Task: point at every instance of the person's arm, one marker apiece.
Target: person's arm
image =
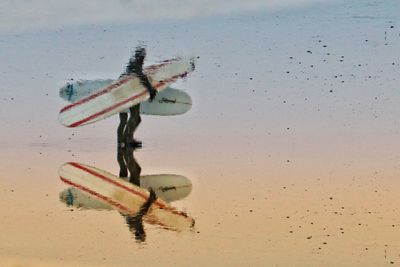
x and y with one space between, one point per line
135 66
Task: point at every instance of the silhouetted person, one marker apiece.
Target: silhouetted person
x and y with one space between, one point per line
127 162
127 127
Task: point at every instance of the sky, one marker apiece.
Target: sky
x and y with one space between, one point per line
20 15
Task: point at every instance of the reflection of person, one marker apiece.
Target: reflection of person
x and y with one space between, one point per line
127 162
135 223
127 127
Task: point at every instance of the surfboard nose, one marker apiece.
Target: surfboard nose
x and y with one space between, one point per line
67 197
66 91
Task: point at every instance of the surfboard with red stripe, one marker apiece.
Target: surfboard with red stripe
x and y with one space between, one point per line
122 195
123 93
168 187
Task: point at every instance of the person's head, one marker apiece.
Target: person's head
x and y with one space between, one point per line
140 54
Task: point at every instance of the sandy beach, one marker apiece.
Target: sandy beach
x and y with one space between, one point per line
291 145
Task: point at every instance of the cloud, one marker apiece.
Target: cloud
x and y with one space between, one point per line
21 15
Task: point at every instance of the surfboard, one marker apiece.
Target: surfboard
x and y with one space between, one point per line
74 91
122 195
73 197
123 93
168 187
169 102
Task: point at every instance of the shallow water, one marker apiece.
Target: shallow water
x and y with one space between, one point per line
291 145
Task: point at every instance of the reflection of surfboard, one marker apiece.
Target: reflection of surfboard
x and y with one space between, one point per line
123 93
167 102
169 187
122 195
81 200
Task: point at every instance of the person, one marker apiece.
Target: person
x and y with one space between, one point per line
127 162
127 127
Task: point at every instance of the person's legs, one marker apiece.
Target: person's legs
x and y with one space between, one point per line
123 118
133 166
123 170
133 123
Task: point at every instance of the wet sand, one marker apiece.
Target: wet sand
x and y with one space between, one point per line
296 213
291 146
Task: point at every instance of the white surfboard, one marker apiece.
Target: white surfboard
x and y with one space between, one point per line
123 93
168 187
122 195
169 102
74 91
76 198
